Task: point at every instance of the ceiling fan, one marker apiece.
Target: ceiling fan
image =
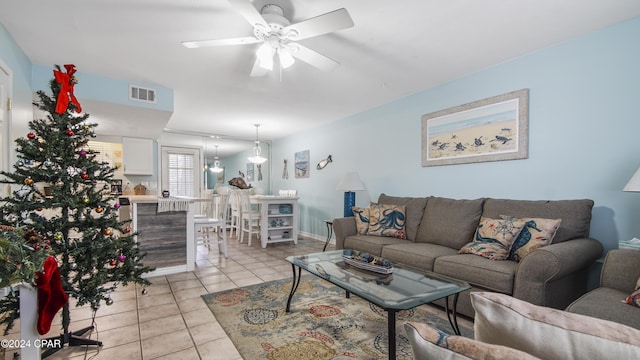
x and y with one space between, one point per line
278 36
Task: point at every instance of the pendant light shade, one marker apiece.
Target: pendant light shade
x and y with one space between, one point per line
256 158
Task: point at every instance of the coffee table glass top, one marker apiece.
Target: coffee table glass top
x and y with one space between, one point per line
405 288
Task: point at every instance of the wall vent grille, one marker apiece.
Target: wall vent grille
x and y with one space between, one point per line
142 94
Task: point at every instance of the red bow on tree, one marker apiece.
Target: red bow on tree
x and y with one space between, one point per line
67 81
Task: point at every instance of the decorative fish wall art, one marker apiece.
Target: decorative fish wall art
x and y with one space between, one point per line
323 163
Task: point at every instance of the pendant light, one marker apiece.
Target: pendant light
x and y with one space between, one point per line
216 164
256 158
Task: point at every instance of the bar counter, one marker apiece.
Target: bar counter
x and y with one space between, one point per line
165 232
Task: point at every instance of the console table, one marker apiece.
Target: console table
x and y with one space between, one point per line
278 218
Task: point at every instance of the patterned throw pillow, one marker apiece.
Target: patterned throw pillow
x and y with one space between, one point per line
362 219
634 298
535 234
494 237
387 220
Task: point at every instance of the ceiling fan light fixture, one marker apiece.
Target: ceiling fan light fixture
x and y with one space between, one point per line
265 56
286 59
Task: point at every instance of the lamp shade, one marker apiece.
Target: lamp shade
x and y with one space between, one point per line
350 182
634 183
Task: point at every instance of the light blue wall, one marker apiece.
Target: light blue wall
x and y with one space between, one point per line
104 89
17 61
238 162
584 128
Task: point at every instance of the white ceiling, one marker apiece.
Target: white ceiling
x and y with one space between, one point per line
396 48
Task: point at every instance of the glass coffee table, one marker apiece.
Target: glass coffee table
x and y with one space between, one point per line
403 289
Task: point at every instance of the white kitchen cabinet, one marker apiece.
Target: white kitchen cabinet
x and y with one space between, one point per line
137 156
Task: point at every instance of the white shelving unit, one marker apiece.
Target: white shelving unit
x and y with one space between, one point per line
279 219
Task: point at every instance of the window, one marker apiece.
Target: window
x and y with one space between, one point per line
181 171
181 174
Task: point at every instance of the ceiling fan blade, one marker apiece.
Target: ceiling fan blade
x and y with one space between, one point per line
322 24
258 70
221 42
312 58
249 12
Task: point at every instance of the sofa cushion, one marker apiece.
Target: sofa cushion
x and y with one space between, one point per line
415 211
536 233
575 214
494 237
605 303
430 343
362 219
416 255
478 271
550 333
449 222
371 244
387 220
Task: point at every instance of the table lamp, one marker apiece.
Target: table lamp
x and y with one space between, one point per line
634 183
350 183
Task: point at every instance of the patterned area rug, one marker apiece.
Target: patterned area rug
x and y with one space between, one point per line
322 324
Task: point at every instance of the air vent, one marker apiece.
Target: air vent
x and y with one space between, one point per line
142 94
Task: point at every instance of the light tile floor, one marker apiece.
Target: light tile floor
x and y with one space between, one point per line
172 321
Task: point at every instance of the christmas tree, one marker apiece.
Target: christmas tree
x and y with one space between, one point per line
61 191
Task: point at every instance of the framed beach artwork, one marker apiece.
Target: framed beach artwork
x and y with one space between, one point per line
301 164
491 129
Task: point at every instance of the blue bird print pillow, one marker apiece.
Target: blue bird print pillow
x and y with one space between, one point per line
388 220
494 237
362 219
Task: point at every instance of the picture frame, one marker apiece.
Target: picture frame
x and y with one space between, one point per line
491 129
301 164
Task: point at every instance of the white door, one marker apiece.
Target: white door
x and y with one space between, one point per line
5 96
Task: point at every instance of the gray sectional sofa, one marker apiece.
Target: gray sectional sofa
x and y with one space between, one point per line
436 229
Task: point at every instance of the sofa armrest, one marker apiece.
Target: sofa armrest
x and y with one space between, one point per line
621 270
556 274
342 228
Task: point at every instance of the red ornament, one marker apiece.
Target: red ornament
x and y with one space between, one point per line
31 136
127 230
70 132
112 263
36 247
84 176
67 82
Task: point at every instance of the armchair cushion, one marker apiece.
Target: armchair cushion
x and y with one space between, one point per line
430 343
550 333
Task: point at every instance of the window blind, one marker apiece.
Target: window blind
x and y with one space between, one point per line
181 174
